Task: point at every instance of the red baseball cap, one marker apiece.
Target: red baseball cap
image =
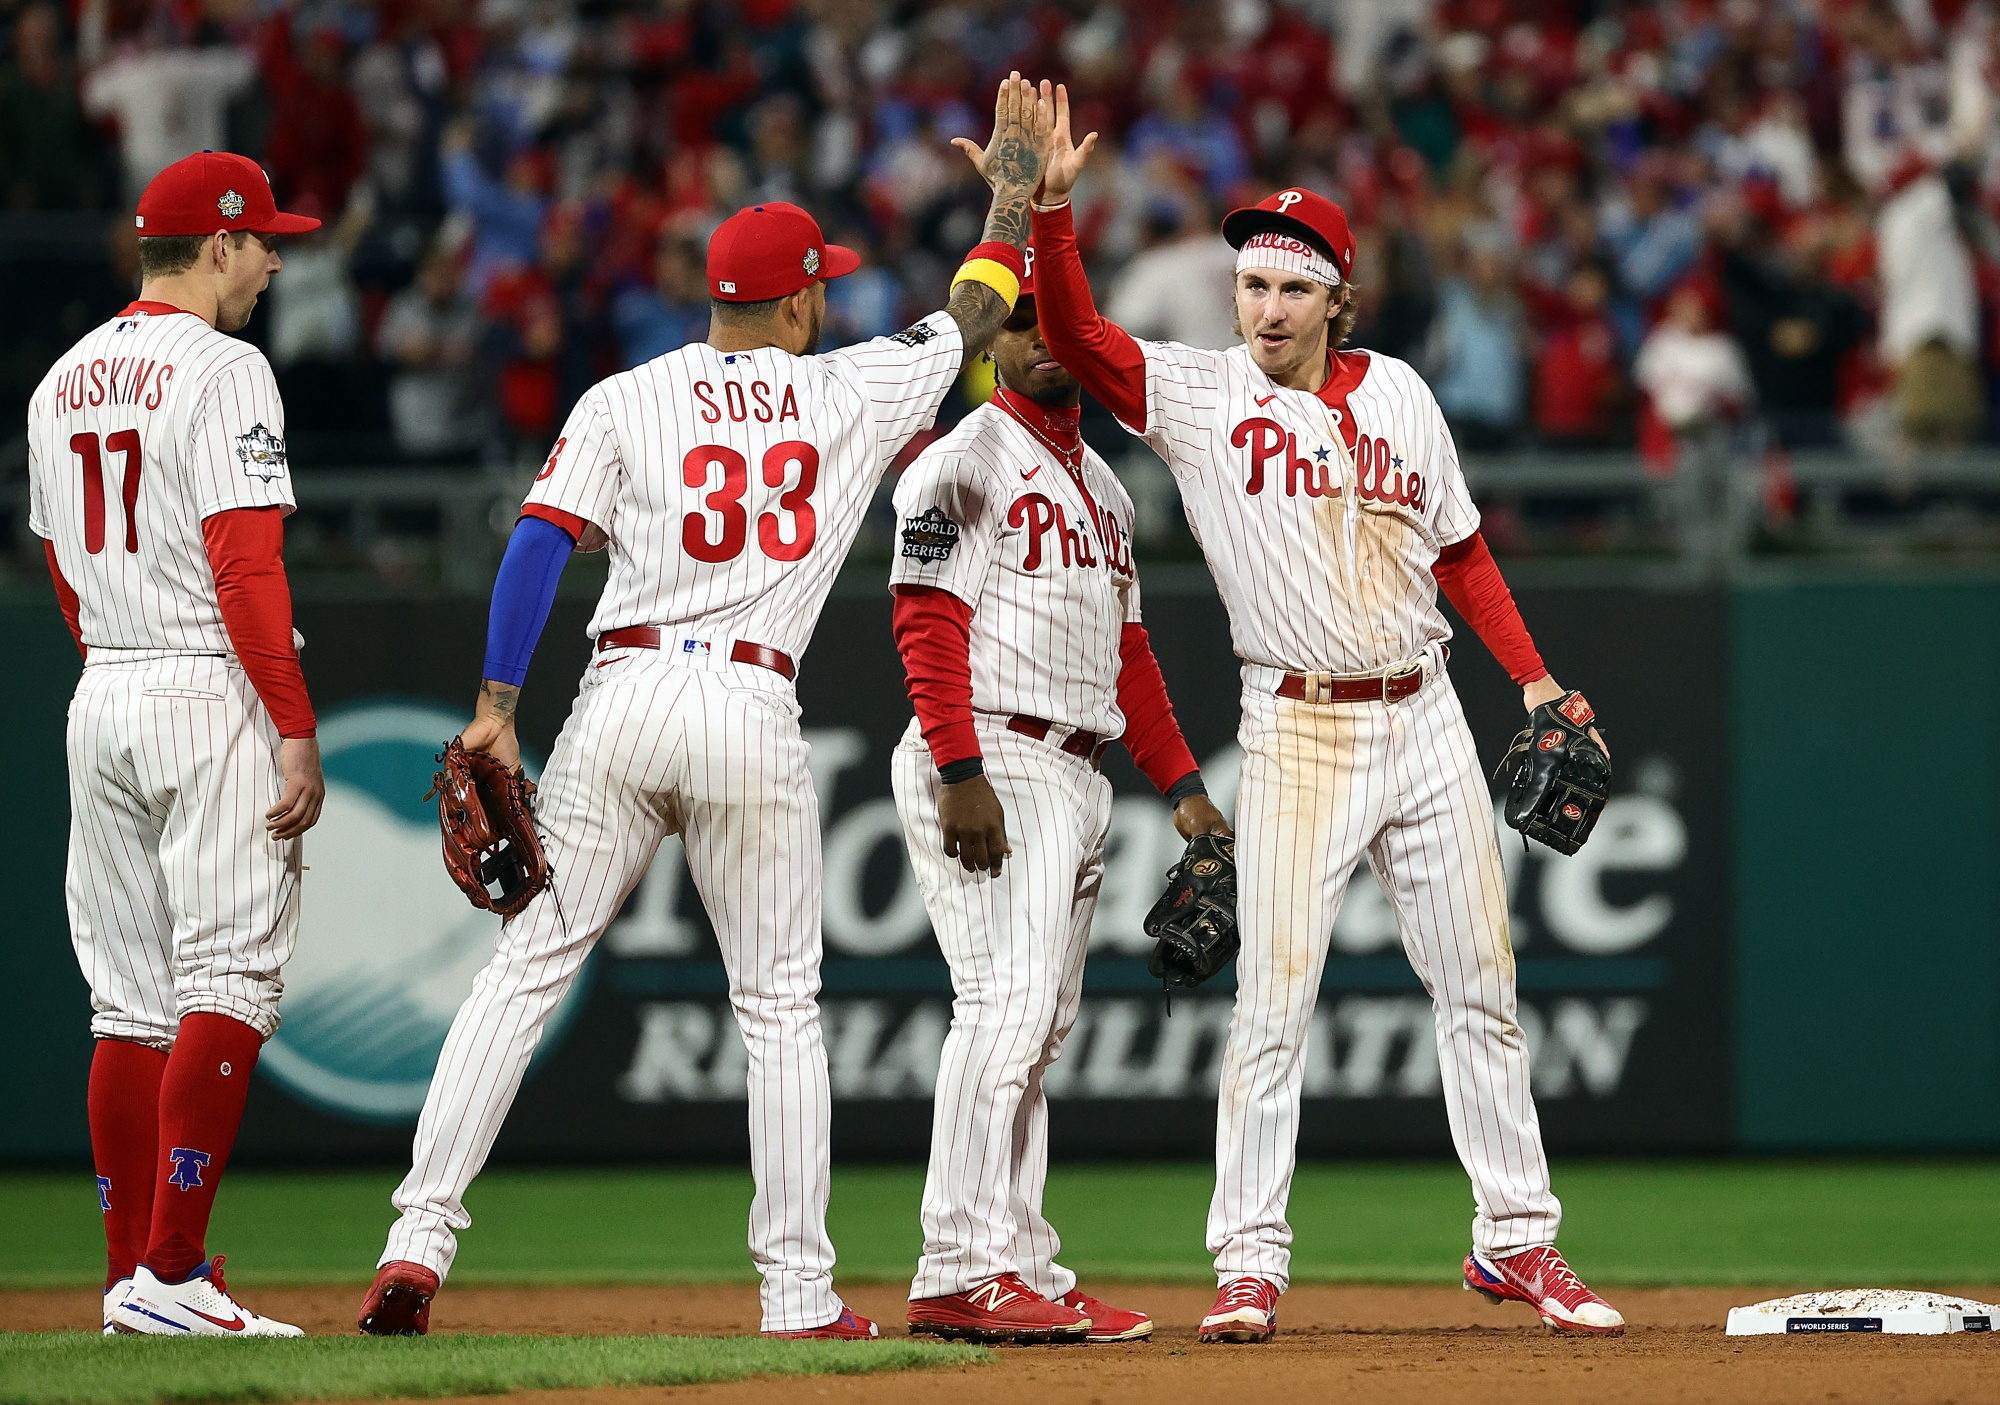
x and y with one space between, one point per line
1313 218
771 251
213 190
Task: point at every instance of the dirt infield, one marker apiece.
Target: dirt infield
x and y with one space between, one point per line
1353 1345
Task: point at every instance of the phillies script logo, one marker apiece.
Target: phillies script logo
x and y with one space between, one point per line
1035 513
1379 475
1271 444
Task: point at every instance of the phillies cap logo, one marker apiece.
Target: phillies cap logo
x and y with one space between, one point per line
1028 261
1289 199
811 261
231 205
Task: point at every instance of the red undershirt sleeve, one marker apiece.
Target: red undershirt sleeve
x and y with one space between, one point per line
933 631
568 521
72 608
1152 734
1470 578
246 552
1096 351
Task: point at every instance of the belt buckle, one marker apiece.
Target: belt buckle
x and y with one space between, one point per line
1400 672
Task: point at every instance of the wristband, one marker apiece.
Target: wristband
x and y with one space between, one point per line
1189 784
952 772
1061 204
999 266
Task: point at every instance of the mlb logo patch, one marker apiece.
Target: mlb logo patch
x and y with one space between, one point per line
695 646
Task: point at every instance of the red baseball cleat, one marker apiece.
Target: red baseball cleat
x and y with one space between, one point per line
399 1304
1108 1323
1246 1310
1540 1278
850 1326
1002 1309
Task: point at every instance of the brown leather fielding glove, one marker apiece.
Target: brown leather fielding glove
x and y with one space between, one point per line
487 814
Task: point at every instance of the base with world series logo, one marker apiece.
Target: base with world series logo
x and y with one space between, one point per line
1892 1311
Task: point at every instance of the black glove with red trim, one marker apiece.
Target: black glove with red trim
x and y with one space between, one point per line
1193 925
1558 778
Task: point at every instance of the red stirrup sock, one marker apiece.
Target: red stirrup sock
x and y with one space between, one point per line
124 1107
201 1105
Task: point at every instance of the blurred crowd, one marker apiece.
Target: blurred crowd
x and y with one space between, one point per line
1592 225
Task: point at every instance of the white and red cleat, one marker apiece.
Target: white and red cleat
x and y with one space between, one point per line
850 1326
1002 1309
399 1302
1540 1278
1246 1310
198 1306
1108 1323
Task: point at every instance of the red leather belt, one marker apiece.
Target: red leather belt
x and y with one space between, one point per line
647 636
1089 745
1319 688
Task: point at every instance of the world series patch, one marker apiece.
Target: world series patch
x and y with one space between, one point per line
916 335
261 453
929 536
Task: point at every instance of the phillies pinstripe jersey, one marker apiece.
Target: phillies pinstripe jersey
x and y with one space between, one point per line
1043 554
730 484
150 424
1320 521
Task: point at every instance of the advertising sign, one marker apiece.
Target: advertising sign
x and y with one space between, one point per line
1622 949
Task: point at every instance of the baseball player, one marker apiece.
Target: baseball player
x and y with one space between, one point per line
1017 615
728 480
1326 494
159 484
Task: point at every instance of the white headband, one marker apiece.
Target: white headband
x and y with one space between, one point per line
1287 253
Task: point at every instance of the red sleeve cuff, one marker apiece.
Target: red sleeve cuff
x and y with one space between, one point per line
933 631
568 521
1471 580
66 601
245 550
1152 735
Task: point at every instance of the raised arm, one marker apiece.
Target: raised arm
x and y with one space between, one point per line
1098 353
1012 163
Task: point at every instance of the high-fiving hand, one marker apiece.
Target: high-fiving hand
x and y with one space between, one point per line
1023 126
1066 159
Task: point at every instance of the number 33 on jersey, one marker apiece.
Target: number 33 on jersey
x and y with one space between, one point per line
730 484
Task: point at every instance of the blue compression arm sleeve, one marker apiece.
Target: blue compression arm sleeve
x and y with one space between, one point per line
522 594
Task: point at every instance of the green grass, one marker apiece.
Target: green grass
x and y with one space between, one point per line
1798 1223
79 1368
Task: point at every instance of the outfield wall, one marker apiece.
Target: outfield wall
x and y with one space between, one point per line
1782 936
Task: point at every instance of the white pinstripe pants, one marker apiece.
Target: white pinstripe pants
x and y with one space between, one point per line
652 745
1016 947
179 901
1322 785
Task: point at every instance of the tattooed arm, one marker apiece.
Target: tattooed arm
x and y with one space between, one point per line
1012 163
492 726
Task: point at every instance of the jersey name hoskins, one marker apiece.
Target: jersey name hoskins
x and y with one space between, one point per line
113 380
1038 516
